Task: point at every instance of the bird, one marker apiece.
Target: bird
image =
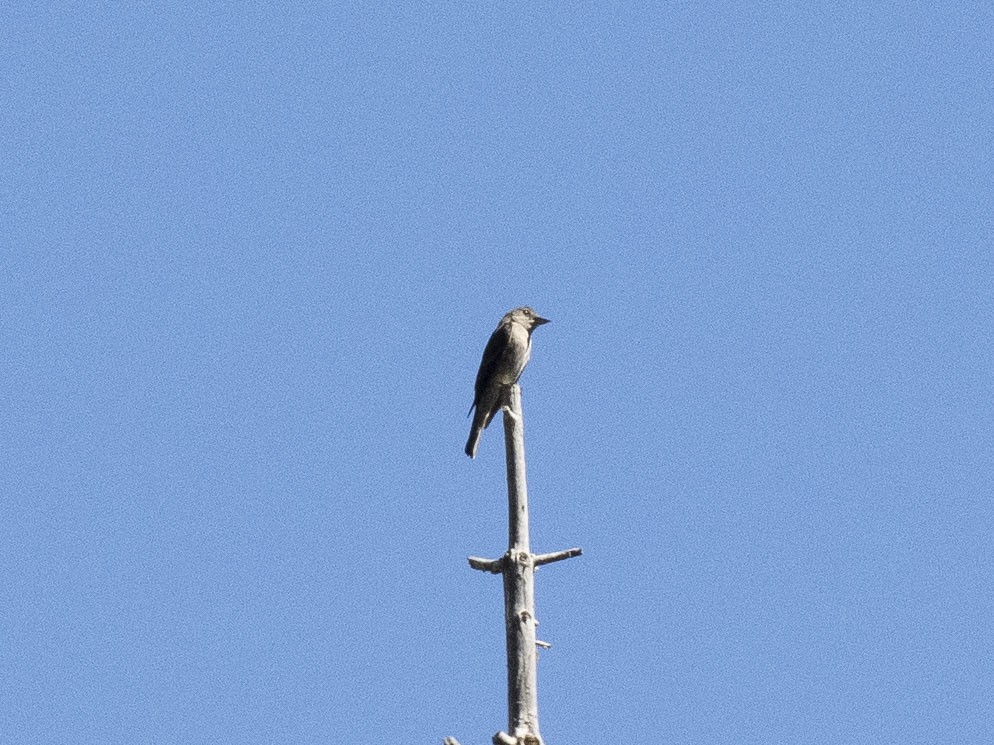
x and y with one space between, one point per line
504 359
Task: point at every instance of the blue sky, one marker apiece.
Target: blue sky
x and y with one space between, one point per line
252 255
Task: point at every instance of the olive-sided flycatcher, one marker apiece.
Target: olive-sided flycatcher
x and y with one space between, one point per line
504 359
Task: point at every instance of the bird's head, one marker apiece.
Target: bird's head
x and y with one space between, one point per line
526 317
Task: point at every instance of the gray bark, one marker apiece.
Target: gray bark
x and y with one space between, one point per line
518 569
519 583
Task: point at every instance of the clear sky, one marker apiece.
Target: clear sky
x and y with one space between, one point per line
251 254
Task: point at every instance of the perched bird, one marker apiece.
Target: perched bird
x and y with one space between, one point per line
504 359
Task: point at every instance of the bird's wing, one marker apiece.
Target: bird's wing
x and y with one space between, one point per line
499 341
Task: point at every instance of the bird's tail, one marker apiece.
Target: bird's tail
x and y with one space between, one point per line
479 424
474 441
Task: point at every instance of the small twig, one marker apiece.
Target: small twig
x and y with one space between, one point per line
569 553
494 566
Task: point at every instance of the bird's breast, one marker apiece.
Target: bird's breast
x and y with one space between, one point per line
516 355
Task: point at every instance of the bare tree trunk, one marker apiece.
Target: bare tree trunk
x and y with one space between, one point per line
518 569
519 584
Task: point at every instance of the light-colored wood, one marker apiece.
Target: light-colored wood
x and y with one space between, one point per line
569 553
494 566
518 569
519 582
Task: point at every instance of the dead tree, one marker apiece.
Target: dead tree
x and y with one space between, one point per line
518 569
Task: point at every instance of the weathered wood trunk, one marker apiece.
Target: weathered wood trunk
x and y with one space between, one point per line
518 569
519 584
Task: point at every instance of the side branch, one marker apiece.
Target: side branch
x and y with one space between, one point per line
569 553
494 566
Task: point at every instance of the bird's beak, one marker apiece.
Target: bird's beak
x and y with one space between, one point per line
539 320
